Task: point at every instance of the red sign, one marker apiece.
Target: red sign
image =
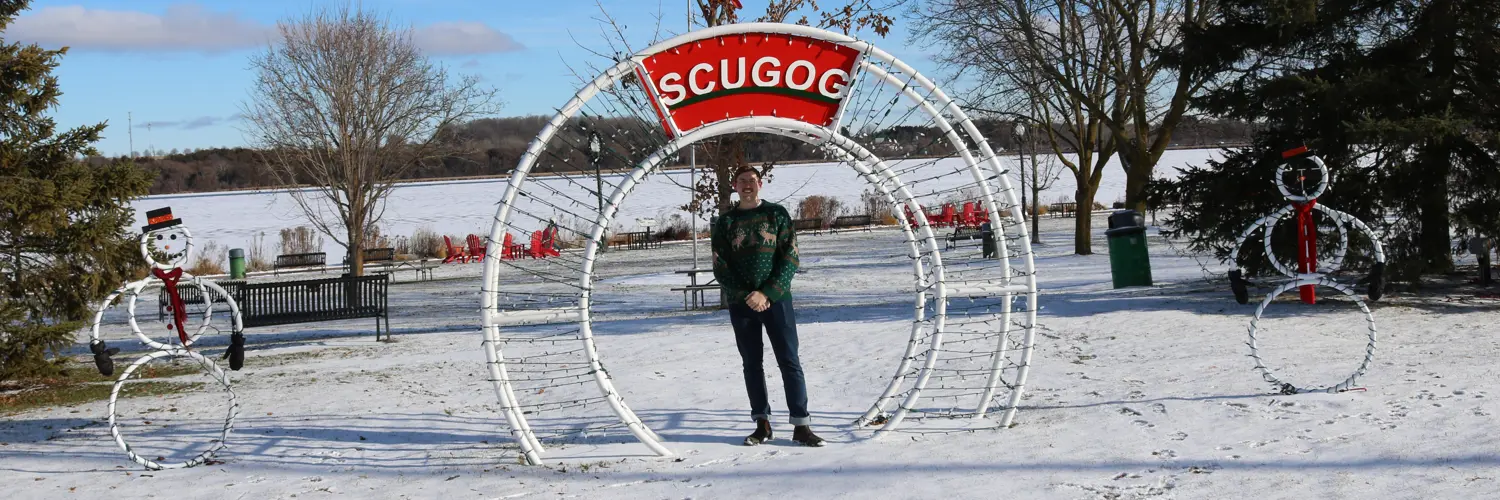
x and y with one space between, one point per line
734 76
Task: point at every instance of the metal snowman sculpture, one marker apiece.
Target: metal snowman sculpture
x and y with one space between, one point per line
167 245
1302 178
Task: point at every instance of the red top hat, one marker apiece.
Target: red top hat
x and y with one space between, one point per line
160 218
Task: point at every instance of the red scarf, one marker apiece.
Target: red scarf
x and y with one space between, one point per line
1307 246
179 314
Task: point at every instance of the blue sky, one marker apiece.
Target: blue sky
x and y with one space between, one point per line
180 69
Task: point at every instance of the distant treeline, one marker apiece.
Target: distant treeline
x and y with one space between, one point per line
496 145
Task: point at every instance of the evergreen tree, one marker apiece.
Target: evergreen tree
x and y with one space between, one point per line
1400 97
62 240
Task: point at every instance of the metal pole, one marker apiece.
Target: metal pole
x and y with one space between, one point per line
693 168
693 181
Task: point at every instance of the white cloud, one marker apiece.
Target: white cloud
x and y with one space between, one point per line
183 27
191 28
463 38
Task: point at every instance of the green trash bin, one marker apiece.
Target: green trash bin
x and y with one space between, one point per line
1129 264
237 263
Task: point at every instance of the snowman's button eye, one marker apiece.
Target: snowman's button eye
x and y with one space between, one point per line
174 236
158 237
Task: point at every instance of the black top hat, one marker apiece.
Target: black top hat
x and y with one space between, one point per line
160 218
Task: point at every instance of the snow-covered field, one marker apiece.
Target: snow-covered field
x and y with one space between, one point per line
457 208
1136 393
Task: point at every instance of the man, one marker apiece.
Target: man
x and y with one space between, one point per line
755 257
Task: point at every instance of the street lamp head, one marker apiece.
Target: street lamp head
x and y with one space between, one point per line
1020 129
594 142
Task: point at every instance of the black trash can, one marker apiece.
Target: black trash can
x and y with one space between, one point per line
1129 263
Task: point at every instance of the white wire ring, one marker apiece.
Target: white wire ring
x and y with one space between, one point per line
208 311
1314 279
1317 191
213 370
1338 255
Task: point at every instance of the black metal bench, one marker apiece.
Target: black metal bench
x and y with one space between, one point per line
813 225
846 221
376 255
306 301
695 293
640 240
1067 209
192 297
300 260
965 234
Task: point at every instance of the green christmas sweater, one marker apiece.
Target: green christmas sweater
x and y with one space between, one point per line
755 250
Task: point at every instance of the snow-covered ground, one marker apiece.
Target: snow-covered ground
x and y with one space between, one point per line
1143 392
458 208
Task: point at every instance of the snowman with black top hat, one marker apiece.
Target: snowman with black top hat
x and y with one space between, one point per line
167 245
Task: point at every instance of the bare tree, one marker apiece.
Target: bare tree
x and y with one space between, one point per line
346 103
1030 81
1037 176
1145 99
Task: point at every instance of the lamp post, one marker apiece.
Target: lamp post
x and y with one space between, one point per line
598 181
1021 161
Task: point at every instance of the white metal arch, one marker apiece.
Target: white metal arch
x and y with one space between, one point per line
985 169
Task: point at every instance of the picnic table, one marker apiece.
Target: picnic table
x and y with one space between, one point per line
692 295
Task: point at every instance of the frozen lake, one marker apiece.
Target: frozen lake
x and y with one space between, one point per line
458 208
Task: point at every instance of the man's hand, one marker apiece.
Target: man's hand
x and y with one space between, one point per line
758 302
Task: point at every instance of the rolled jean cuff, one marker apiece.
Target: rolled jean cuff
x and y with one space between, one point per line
754 418
802 420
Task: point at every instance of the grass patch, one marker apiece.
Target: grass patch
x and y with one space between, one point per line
75 394
86 385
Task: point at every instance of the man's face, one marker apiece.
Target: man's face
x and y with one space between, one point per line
747 185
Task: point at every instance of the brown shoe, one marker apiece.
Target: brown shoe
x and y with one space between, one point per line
762 433
804 435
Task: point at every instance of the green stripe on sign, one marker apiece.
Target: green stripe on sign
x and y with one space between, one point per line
751 90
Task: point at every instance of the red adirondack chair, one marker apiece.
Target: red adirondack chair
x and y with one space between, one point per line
477 248
511 250
946 219
455 252
544 243
970 217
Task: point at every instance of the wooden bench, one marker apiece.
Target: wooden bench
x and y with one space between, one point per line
192 298
305 301
299 260
814 225
845 221
692 296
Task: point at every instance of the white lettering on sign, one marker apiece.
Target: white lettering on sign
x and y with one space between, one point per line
672 84
766 72
693 79
774 77
812 73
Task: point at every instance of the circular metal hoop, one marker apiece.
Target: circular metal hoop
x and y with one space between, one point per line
204 289
1317 191
213 370
187 249
979 159
1317 280
1338 254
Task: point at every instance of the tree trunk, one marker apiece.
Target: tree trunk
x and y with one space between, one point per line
1083 243
1434 240
356 234
1137 173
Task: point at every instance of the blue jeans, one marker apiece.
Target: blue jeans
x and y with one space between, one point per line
780 323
